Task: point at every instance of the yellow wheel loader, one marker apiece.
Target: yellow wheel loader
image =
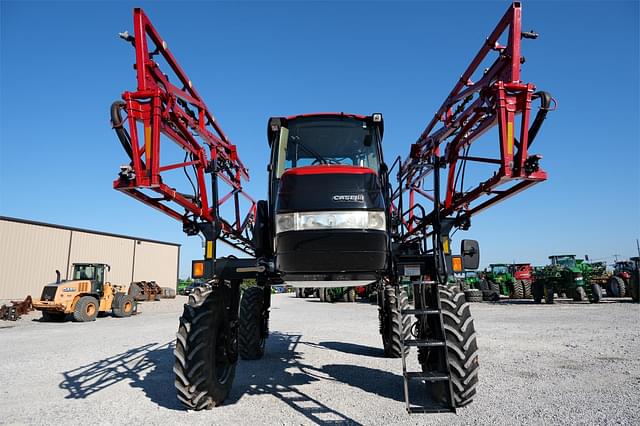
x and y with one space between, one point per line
84 296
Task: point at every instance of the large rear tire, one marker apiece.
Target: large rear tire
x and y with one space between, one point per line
616 287
596 293
462 347
393 326
86 309
537 291
251 339
473 295
493 286
579 295
548 294
526 286
206 349
517 291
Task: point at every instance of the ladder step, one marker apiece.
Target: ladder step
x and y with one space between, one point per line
428 376
420 311
424 343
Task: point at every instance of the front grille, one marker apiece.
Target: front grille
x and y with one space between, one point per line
49 293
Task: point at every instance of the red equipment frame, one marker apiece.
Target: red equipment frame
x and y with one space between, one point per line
470 110
181 115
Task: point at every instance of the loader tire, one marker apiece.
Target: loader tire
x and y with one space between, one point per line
251 339
123 305
526 286
86 309
537 291
473 295
517 291
206 350
53 316
462 347
393 326
616 287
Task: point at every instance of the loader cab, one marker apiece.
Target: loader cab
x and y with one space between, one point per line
94 272
327 198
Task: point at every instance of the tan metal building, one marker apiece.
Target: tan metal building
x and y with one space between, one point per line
31 252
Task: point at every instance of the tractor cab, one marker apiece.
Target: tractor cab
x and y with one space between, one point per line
326 198
93 272
499 268
564 261
623 268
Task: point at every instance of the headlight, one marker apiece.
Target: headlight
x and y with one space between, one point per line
304 221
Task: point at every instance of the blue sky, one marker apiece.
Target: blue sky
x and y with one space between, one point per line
62 65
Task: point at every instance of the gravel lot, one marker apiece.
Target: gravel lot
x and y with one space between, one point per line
570 363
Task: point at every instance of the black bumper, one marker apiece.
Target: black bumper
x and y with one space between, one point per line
334 251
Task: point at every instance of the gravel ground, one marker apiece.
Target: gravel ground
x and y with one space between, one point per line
570 363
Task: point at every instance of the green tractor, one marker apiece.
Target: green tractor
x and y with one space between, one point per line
469 283
499 278
565 275
330 295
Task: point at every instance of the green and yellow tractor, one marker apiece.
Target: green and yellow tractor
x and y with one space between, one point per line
568 276
500 278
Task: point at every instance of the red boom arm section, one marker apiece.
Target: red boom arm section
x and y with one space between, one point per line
469 111
160 108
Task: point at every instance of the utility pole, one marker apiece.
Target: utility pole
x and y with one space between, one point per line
638 247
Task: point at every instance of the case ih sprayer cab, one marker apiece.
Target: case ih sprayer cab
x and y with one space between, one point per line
336 216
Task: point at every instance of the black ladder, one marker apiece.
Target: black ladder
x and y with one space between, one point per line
427 309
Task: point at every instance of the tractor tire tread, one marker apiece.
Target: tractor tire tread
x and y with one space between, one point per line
462 346
250 339
195 382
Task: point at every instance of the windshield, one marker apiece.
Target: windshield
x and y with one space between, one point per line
499 269
84 272
308 141
566 261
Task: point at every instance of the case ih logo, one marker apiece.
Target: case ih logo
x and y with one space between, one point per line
349 198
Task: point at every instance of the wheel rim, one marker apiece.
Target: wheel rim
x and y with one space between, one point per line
91 309
127 306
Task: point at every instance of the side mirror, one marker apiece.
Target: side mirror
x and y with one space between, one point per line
470 250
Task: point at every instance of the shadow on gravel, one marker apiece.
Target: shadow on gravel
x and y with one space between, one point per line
280 373
352 348
148 367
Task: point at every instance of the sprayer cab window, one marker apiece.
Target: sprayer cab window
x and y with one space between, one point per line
328 140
